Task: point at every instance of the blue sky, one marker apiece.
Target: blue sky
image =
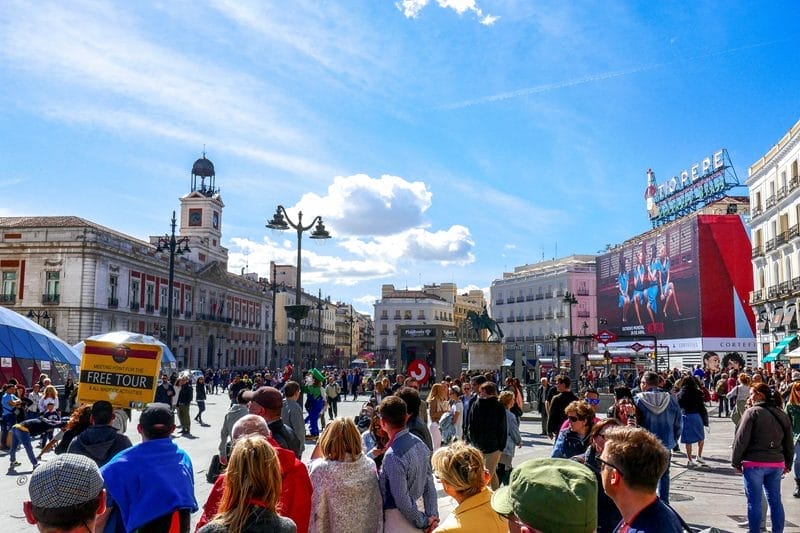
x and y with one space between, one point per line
442 140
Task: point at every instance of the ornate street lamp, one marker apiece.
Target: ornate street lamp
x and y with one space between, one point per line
175 246
38 315
570 300
297 312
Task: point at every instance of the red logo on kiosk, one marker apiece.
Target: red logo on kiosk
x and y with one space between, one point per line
419 370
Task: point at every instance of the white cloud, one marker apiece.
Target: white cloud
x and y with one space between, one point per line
451 246
361 205
412 8
510 246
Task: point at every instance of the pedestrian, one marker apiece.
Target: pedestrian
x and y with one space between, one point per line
488 430
470 397
694 419
738 396
463 476
292 413
457 411
574 439
53 416
165 391
332 391
69 395
66 494
562 396
721 388
100 442
659 413
514 440
200 398
315 401
79 420
632 464
437 407
414 424
236 411
549 495
267 402
608 516
23 432
33 402
252 491
346 495
763 450
793 410
49 397
151 485
374 441
405 475
184 402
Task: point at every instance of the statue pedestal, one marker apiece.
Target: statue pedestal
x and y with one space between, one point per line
485 355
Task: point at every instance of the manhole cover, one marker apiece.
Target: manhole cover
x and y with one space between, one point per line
678 497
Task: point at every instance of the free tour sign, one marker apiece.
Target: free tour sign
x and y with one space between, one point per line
123 374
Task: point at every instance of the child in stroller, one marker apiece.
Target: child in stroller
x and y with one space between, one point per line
364 417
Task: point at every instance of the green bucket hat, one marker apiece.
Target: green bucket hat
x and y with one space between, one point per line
551 495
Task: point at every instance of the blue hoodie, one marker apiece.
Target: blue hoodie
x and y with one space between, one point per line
660 414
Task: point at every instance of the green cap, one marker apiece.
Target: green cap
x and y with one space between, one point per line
551 495
319 376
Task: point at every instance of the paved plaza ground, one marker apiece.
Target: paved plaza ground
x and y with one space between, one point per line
705 497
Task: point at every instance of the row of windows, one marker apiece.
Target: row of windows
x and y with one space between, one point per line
420 315
52 283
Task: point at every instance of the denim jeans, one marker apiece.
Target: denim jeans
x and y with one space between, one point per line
21 437
663 484
8 421
756 481
796 466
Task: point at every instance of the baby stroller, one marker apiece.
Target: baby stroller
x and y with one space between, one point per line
364 418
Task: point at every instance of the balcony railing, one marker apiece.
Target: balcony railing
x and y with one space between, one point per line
549 315
520 299
113 303
548 294
539 316
796 284
162 311
529 317
783 288
793 183
510 300
793 232
499 301
134 306
583 314
499 320
756 211
8 298
772 292
582 292
540 296
149 308
771 201
757 296
560 314
51 298
758 251
781 193
770 245
559 293
529 298
781 238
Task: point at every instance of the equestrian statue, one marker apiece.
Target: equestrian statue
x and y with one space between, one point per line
484 321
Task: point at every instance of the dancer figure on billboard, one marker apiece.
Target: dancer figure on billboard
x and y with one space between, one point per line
651 291
623 284
639 271
667 287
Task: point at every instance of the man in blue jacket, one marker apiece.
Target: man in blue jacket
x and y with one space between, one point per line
659 413
152 481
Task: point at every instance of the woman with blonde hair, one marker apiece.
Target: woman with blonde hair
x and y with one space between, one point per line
574 439
462 472
252 490
346 495
438 405
50 396
793 410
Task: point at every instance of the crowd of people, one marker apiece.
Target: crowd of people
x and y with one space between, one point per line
375 472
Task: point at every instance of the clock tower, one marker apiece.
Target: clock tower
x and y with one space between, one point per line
201 215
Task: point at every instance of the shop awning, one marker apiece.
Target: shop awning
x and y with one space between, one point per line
788 315
776 351
777 318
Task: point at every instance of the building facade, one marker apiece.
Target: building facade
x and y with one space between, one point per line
91 280
774 186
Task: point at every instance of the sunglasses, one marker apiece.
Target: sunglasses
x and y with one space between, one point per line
593 401
605 464
573 418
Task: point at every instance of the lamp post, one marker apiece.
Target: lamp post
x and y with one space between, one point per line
350 321
175 246
297 312
219 338
319 330
38 315
273 285
570 300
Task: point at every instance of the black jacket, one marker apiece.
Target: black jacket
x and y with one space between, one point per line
200 392
165 394
284 435
185 395
557 415
487 425
691 401
99 443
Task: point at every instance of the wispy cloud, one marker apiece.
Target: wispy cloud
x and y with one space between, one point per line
412 8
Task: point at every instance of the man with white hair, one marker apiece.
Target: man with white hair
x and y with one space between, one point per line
295 501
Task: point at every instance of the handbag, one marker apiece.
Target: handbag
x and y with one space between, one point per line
214 469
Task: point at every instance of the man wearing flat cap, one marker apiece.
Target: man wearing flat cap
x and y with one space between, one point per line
151 484
66 493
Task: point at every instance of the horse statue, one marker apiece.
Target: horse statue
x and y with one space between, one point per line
484 321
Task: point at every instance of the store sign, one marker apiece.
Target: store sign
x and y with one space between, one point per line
418 332
123 374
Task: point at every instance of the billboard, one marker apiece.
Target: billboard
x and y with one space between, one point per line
686 283
651 287
123 374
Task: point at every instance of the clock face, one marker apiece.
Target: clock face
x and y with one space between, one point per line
195 217
216 220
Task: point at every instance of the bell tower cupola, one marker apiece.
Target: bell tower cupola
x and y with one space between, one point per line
201 214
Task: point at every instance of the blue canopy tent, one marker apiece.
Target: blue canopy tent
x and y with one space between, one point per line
27 349
168 360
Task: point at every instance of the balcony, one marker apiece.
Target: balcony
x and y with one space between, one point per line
756 211
560 293
771 201
499 320
757 296
548 294
770 245
583 314
772 292
560 314
385 316
796 284
52 299
781 194
499 301
510 300
134 306
548 315
529 298
176 312
520 299
582 292
187 314
793 232
149 308
529 317
162 311
758 251
8 298
540 296
793 183
783 288
539 316
512 318
113 303
781 238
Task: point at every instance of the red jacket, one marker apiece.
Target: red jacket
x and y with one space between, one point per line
295 502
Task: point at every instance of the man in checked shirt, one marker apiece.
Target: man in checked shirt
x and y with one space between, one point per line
406 474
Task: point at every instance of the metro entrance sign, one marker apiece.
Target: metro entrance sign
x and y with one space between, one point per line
605 336
637 347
